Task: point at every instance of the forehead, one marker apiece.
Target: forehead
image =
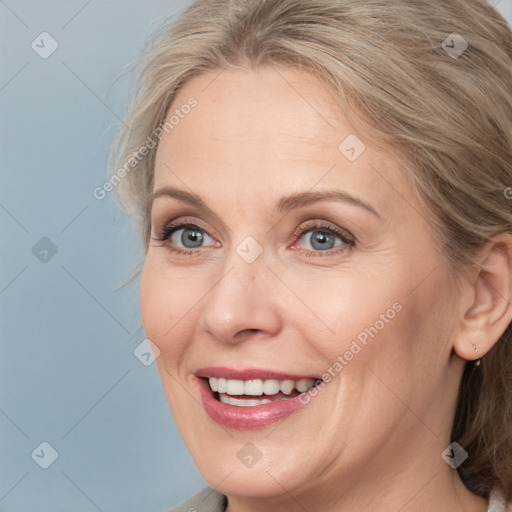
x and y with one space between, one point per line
268 127
258 106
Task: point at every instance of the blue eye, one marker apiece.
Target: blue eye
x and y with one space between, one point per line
190 239
324 238
321 240
192 236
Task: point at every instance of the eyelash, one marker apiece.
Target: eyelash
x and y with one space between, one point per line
168 230
345 237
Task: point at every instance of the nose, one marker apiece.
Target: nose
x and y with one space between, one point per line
243 303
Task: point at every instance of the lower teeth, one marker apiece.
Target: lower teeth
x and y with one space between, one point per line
250 402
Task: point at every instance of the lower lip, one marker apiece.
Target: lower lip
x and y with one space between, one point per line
257 416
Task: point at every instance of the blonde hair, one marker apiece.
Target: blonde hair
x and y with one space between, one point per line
447 116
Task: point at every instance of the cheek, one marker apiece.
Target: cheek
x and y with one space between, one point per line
346 306
403 334
373 320
163 307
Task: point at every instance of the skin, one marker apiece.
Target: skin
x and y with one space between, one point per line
373 436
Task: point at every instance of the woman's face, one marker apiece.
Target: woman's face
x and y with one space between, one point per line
312 259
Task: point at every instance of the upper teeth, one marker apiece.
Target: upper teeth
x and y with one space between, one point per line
257 387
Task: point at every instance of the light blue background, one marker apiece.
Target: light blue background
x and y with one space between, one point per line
68 375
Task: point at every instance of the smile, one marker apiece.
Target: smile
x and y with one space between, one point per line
248 403
236 392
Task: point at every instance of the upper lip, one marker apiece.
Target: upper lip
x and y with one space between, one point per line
248 374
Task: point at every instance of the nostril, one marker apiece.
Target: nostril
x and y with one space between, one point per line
245 333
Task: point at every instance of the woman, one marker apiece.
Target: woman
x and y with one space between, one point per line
323 190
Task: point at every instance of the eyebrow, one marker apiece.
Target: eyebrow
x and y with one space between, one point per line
183 196
299 200
285 204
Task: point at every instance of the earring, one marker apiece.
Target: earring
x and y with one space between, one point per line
476 364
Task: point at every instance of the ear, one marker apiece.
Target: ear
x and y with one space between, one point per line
489 297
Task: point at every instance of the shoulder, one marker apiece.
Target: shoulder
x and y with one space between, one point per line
497 502
207 500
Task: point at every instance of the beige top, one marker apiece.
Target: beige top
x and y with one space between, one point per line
209 500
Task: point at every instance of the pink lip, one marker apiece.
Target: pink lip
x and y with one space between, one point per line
248 374
254 417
